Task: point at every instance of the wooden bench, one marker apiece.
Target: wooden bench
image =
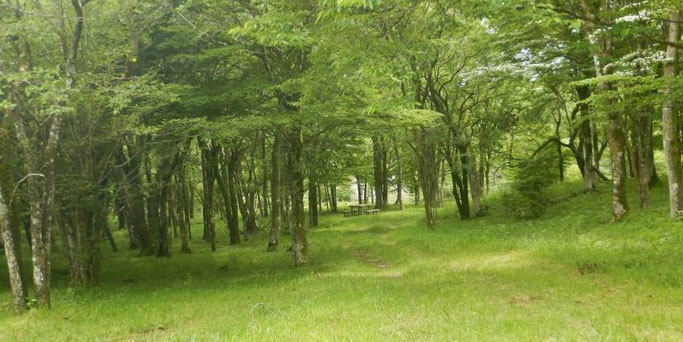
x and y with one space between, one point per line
347 213
372 211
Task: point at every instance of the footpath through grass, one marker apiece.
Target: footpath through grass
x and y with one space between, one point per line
568 276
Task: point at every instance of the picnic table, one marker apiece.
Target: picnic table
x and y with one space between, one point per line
358 209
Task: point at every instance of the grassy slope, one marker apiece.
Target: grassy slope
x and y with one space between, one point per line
568 276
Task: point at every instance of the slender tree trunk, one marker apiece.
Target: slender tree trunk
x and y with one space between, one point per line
333 197
164 245
378 169
222 175
135 197
233 223
41 197
299 238
426 165
12 245
399 175
108 235
476 190
245 200
164 174
274 238
615 135
615 129
670 120
264 184
360 190
320 199
182 209
597 153
172 204
209 167
654 178
640 155
312 202
71 242
586 136
120 208
286 208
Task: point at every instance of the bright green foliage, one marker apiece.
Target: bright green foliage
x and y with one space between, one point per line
235 111
530 179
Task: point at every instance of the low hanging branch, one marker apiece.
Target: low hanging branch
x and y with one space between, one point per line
21 181
565 145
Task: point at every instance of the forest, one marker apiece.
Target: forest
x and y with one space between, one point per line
212 170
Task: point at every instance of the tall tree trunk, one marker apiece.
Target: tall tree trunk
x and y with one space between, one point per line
476 190
274 237
182 209
264 184
208 160
286 208
164 244
299 238
333 197
360 190
163 177
320 199
670 119
245 202
654 178
426 168
134 195
640 154
312 202
399 175
616 138
597 152
615 129
586 137
12 243
233 223
222 175
41 197
378 168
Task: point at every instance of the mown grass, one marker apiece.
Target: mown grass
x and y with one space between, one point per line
570 275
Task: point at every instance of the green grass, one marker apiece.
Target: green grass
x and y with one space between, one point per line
568 276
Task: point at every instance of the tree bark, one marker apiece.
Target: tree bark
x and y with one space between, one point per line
615 129
333 197
209 166
312 202
360 190
299 238
586 137
399 175
670 120
41 196
182 209
274 237
12 245
426 168
134 195
233 223
640 148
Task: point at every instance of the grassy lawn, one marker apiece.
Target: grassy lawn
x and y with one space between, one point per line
568 276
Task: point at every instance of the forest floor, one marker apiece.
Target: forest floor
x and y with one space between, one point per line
570 275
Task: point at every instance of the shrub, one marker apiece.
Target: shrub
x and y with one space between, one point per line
530 179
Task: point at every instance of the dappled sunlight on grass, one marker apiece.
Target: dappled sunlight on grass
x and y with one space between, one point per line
508 261
568 276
